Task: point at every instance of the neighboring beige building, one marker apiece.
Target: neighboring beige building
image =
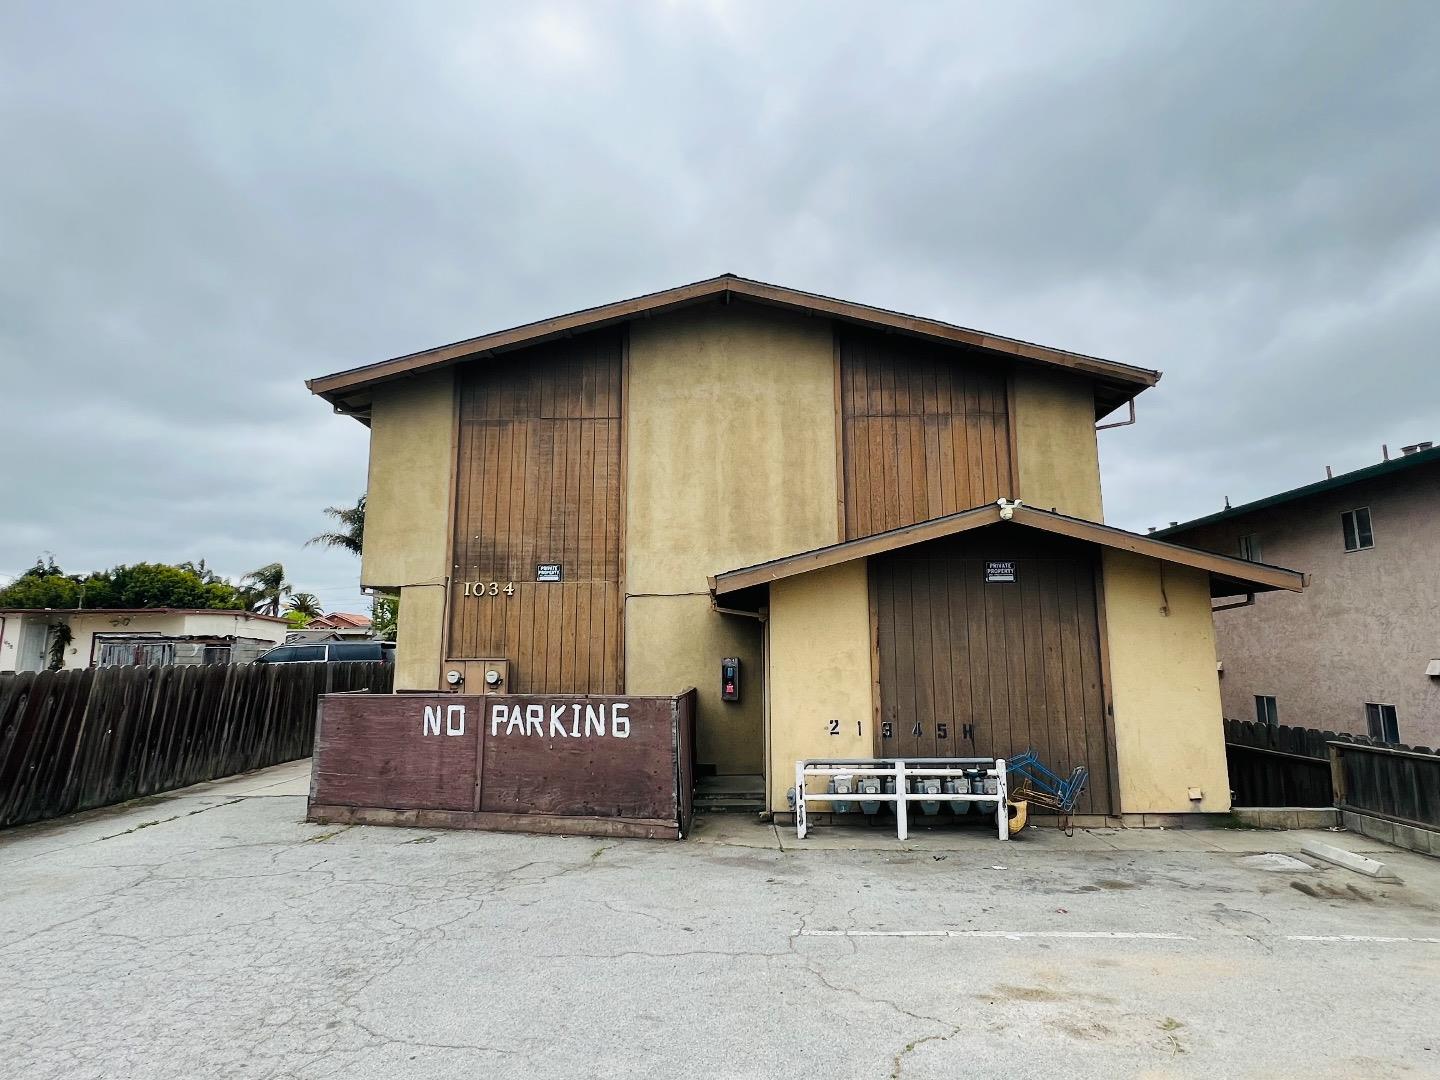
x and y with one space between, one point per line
135 636
789 502
1359 650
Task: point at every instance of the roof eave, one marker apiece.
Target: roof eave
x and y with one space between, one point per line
1222 569
344 389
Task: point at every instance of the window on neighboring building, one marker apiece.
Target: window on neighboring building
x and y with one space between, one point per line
1250 547
1356 525
1382 721
1265 709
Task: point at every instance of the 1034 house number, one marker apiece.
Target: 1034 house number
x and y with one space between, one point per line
489 588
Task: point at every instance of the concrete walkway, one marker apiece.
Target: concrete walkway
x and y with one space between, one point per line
213 932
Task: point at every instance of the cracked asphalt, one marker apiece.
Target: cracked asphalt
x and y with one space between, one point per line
214 933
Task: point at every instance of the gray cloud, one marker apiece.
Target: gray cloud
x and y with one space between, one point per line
203 204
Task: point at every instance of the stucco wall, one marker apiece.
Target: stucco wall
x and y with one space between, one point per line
1164 686
1363 630
730 455
1055 443
407 509
819 671
670 638
420 637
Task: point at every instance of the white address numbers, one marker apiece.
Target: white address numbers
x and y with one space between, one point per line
489 588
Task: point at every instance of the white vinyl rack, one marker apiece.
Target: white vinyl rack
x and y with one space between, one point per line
901 770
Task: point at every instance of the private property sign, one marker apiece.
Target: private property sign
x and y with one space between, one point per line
506 761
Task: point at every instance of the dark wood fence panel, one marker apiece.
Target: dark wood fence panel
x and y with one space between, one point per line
593 764
1276 765
77 740
685 756
1394 782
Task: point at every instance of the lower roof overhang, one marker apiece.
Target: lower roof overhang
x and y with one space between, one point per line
746 587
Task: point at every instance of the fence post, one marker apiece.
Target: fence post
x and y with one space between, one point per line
1337 775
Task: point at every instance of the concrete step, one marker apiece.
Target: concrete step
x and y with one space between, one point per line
713 804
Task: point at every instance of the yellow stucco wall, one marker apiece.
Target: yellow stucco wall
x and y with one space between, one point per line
819 671
730 455
420 637
1055 443
671 638
731 443
407 516
407 509
1166 692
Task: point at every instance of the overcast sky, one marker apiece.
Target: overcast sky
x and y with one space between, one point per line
203 204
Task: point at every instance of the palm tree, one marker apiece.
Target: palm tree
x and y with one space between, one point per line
351 537
269 590
304 603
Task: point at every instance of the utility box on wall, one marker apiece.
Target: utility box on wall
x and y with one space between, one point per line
730 679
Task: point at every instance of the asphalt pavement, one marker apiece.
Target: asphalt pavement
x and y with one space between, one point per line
214 933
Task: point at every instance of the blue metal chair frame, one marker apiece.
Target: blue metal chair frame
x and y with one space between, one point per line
1037 783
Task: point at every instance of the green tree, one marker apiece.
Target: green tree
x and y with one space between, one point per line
351 534
269 589
158 585
304 603
384 616
28 591
142 585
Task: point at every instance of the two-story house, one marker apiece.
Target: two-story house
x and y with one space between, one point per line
793 503
1359 651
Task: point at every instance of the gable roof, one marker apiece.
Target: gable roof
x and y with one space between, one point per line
349 391
340 619
1229 576
1320 487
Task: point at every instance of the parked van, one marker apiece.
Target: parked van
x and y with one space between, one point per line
321 652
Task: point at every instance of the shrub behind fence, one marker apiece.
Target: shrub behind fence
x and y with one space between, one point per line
76 740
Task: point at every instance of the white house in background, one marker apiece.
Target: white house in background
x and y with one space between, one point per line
139 636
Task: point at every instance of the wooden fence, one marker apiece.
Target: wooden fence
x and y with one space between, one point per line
1393 782
76 740
1285 766
1277 765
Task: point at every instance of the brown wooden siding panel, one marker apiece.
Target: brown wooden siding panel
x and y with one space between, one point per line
1019 661
925 431
538 481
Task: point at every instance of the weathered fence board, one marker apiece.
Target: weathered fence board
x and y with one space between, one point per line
76 740
1394 782
596 764
1275 765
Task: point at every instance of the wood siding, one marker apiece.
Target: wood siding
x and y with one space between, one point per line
1019 661
553 763
925 431
539 481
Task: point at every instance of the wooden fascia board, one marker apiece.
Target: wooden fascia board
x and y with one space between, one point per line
1269 577
655 303
821 558
528 334
1258 574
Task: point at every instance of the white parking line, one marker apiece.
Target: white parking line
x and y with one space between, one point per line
1011 935
1362 937
1106 935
